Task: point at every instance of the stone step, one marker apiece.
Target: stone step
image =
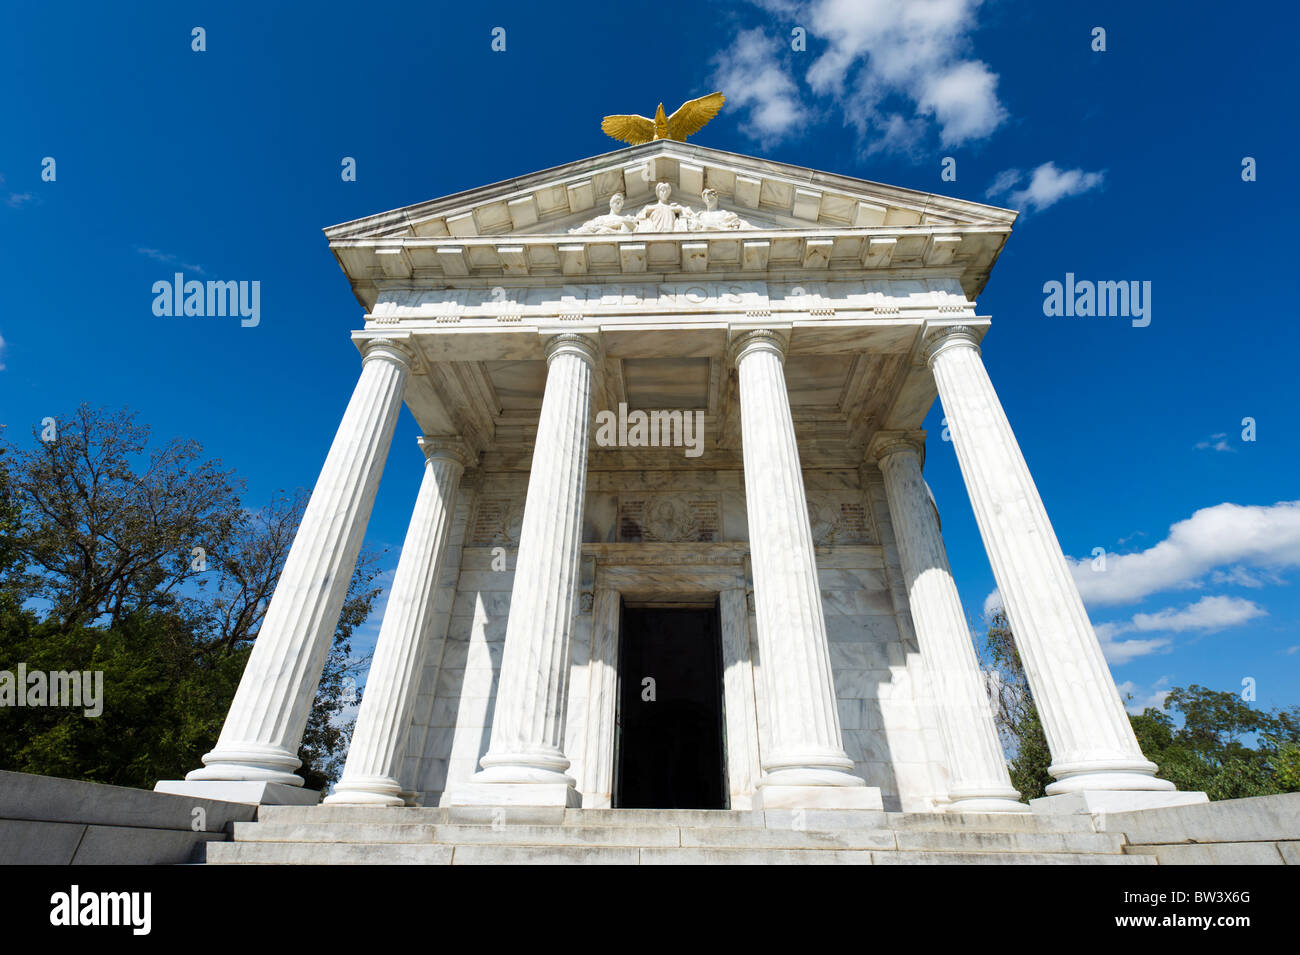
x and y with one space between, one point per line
578 836
335 832
783 819
722 818
1050 842
793 839
378 815
549 855
572 836
992 822
715 855
1005 858
327 853
291 853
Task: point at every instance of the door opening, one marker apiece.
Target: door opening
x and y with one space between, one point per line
670 748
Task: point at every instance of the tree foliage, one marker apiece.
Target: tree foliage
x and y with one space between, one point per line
1216 742
1014 712
143 563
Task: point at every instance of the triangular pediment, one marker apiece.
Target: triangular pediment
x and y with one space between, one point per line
770 219
770 195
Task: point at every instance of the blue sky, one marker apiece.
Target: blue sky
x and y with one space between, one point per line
225 164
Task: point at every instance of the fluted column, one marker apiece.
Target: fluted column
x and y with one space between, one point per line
264 727
977 768
1091 739
374 762
805 763
525 762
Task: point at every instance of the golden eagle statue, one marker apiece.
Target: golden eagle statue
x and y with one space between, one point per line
689 118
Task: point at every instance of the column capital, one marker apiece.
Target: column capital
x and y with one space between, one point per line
446 448
758 339
885 443
585 347
941 337
392 349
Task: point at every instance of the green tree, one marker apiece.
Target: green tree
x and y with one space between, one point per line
1014 712
1214 741
99 572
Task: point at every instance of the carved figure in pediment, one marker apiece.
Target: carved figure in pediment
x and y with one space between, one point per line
610 224
664 216
713 219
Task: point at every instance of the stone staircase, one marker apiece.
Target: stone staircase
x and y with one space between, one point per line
344 835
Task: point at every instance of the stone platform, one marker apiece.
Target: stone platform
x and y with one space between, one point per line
344 835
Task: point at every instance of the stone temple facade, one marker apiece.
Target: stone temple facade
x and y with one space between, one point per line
673 546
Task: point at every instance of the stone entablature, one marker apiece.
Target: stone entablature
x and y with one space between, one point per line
969 251
920 297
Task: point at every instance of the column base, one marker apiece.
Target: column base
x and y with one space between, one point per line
249 762
1114 800
366 791
1119 775
820 781
472 793
818 797
994 801
253 792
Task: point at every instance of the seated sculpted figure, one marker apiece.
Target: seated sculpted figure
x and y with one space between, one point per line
664 216
714 219
614 222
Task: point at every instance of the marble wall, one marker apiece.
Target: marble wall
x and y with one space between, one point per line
889 731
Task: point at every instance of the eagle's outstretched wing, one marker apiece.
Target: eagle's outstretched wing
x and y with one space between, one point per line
691 116
629 129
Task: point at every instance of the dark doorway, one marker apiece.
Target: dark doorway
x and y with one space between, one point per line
670 751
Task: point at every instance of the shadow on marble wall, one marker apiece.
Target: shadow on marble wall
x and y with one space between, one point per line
467 680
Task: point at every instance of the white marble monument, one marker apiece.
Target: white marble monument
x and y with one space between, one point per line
803 324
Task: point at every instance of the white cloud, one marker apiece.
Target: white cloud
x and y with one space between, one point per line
1241 577
751 76
886 59
1215 442
168 259
1118 652
1223 536
1005 181
964 100
1227 544
1047 186
893 69
2 353
1141 699
1232 536
1208 613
